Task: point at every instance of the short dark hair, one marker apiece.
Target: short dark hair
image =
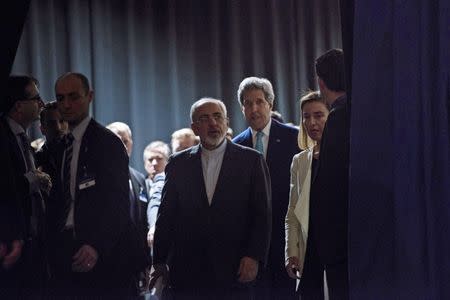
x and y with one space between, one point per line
83 79
16 90
331 69
48 107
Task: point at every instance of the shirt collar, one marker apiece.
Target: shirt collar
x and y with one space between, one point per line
219 150
79 130
15 127
266 129
339 101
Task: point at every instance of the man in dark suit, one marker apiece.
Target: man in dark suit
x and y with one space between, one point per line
94 245
278 143
213 225
22 261
138 193
329 192
53 127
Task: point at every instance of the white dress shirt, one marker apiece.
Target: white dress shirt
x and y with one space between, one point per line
211 165
265 137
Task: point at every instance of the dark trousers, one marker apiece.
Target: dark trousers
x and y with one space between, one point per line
27 279
311 284
337 280
205 293
99 283
273 282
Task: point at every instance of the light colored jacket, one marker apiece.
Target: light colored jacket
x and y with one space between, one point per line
297 217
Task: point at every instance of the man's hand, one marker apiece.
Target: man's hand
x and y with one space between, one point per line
9 259
150 236
248 269
157 271
45 182
293 267
85 259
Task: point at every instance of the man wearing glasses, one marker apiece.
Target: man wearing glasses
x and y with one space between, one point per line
22 263
214 223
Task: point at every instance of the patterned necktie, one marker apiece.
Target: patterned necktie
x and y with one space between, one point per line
66 174
259 143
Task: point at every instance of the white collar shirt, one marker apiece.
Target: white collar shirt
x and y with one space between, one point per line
211 165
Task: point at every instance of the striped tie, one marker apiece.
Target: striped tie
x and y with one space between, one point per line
66 174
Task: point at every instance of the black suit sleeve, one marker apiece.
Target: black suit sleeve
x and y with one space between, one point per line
164 230
261 211
113 214
11 217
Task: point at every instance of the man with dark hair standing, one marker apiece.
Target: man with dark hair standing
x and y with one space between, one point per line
329 192
22 263
53 127
95 247
278 144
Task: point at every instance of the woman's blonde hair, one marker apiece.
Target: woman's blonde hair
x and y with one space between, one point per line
304 141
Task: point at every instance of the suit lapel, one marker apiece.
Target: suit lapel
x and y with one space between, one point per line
247 139
274 141
197 179
225 170
83 167
14 146
134 185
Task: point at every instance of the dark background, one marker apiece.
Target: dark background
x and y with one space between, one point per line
398 60
148 61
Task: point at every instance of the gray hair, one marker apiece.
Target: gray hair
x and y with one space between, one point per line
203 101
251 83
118 127
160 145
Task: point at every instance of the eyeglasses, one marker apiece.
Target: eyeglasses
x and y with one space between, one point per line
204 119
36 98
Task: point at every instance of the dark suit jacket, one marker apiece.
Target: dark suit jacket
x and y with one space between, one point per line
15 206
281 149
201 243
139 201
101 214
329 192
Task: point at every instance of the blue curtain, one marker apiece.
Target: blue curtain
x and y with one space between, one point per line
149 60
399 218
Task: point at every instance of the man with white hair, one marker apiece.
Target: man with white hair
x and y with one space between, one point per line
278 143
213 226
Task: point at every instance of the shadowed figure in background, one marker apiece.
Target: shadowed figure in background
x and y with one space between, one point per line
138 193
328 233
182 139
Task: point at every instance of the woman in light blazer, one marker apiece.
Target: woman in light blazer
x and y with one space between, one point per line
313 115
